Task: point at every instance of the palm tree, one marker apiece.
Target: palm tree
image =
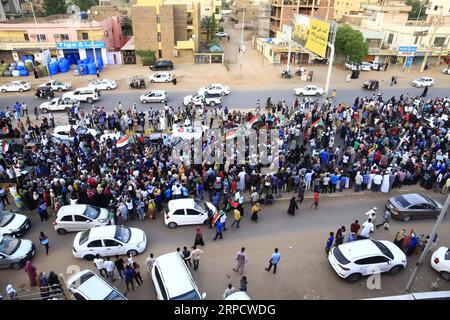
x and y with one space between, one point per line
209 25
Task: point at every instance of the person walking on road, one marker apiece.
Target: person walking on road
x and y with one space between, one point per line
241 259
198 237
237 218
229 290
386 220
255 209
187 256
316 200
195 255
292 207
367 228
244 284
329 244
119 263
129 276
274 260
340 235
43 239
100 265
150 261
219 229
30 269
109 267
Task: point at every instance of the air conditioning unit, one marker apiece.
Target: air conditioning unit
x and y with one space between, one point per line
175 53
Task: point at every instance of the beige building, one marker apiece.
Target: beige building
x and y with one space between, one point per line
170 30
345 7
257 15
283 11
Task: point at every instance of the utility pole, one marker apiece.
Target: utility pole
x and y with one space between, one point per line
39 39
92 36
331 57
241 49
429 244
436 24
312 8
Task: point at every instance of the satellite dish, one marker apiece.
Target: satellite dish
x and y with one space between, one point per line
73 9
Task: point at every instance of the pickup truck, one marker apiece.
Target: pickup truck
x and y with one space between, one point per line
210 99
58 104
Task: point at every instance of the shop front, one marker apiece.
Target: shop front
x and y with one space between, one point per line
81 50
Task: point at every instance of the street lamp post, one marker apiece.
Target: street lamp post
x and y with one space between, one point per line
92 36
437 23
39 39
241 48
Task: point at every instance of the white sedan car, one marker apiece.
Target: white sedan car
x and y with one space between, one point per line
103 84
57 85
188 211
162 77
423 82
440 261
309 91
109 241
62 133
13 224
79 217
221 34
159 96
87 285
366 66
15 86
215 88
353 260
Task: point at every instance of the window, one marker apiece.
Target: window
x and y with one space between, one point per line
64 36
160 54
85 36
82 219
179 212
364 261
95 244
435 8
41 37
78 296
439 41
416 40
67 218
26 37
160 283
84 236
158 19
111 243
159 36
217 10
379 259
191 212
390 38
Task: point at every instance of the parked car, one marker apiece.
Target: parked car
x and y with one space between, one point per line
366 66
309 90
440 261
87 94
431 295
173 280
62 133
109 241
215 88
162 65
15 252
159 96
103 84
352 66
79 217
57 85
412 206
87 285
210 99
13 224
353 260
162 77
423 82
221 34
15 86
188 211
58 104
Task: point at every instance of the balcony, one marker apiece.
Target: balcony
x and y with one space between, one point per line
185 45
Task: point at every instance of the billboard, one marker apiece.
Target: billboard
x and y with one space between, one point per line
312 34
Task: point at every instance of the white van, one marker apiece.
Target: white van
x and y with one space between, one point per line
173 280
86 285
87 94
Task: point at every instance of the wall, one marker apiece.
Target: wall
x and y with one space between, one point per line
144 29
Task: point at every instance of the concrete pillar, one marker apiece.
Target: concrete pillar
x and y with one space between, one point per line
104 56
82 53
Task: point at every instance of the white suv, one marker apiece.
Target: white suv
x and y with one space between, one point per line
173 280
86 285
87 94
188 211
79 217
210 99
353 260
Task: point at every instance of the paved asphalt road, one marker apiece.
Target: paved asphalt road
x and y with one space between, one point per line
304 272
238 99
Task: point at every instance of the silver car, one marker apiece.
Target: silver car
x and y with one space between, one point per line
159 96
15 252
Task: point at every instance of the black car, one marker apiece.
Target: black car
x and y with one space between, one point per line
162 65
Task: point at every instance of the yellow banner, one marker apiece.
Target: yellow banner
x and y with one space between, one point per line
318 37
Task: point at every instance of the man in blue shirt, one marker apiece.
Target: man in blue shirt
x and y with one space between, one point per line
274 260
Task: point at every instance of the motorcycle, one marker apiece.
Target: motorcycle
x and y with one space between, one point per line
286 74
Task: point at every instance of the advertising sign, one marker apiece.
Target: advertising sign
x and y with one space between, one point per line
301 29
80 45
318 37
287 32
406 51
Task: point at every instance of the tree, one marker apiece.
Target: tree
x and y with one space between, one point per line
54 7
85 4
351 43
209 25
418 7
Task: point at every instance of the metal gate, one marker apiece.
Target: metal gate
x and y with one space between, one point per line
129 57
